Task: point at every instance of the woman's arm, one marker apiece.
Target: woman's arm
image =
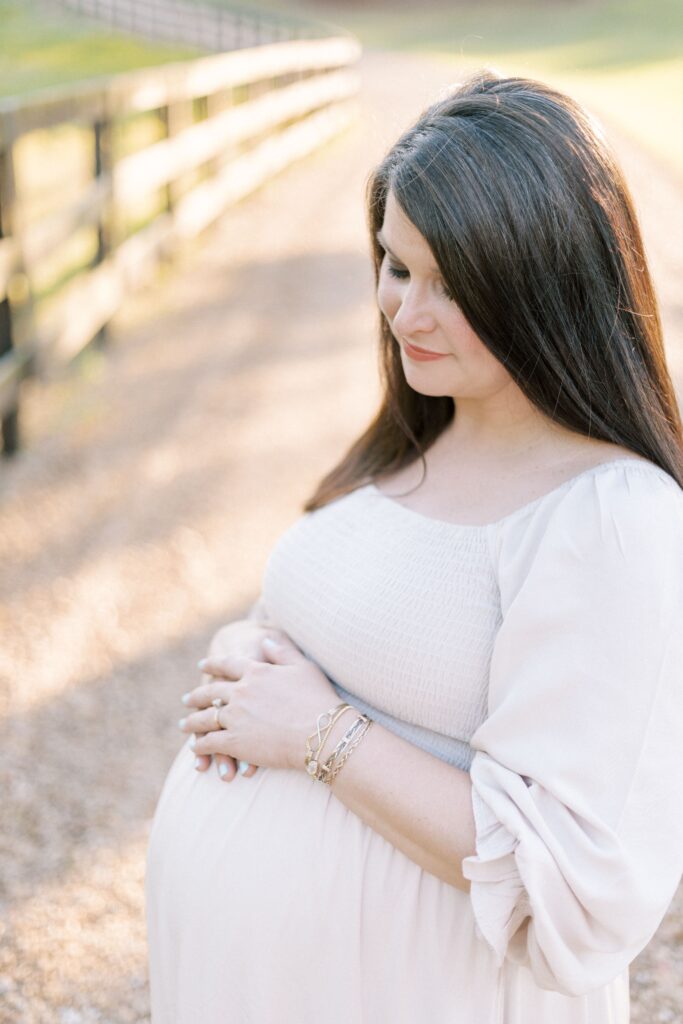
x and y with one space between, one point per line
419 803
416 801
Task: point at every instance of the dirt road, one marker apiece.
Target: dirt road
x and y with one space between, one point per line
140 517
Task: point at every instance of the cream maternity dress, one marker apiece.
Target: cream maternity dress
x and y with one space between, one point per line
544 654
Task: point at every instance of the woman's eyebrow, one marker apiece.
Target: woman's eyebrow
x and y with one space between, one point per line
380 238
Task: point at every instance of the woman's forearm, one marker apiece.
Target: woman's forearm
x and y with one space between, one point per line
419 803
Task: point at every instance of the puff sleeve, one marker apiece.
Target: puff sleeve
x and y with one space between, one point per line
577 775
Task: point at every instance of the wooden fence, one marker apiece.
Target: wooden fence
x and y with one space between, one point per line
230 122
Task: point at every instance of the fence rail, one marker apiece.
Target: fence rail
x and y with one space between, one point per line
230 122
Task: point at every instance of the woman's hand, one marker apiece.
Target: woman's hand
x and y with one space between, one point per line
243 636
271 707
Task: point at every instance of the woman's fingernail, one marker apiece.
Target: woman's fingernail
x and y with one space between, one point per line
193 742
242 766
197 762
181 723
186 698
202 663
223 770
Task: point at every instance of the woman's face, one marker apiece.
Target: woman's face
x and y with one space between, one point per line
411 295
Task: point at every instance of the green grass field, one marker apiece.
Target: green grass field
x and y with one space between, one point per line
41 47
622 58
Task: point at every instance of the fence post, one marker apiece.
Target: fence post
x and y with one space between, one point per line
9 424
102 165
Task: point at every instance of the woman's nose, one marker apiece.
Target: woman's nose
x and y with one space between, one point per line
412 316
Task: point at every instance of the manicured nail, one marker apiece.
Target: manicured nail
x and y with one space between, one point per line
242 766
186 698
197 762
181 723
202 663
223 770
193 742
270 644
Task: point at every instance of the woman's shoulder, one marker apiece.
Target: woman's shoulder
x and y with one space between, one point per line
623 484
622 512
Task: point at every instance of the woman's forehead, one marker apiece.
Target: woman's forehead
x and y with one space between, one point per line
399 236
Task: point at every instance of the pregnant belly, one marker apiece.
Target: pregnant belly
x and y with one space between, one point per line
258 882
248 864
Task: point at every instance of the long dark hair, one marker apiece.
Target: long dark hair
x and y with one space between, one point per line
533 228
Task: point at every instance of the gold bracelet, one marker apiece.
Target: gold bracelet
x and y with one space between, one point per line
312 758
332 766
346 739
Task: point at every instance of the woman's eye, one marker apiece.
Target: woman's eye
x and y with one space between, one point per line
403 274
395 272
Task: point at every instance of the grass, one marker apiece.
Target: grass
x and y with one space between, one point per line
621 58
588 35
41 47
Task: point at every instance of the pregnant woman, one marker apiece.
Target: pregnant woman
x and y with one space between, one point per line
464 795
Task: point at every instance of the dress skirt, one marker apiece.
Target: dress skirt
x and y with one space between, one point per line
269 902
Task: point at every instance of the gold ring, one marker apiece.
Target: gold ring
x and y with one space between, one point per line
217 705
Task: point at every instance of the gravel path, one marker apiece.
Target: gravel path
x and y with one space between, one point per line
140 517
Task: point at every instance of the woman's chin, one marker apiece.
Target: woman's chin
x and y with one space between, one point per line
431 388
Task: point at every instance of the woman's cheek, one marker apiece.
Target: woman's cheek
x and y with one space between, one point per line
388 299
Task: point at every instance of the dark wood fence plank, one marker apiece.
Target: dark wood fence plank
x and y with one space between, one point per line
11 368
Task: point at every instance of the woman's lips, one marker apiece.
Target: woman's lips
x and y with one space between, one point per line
422 354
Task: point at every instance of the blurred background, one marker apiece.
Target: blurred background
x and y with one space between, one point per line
187 343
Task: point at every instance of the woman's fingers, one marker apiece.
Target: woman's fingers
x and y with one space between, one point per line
205 719
202 696
216 741
203 715
201 721
225 666
227 767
